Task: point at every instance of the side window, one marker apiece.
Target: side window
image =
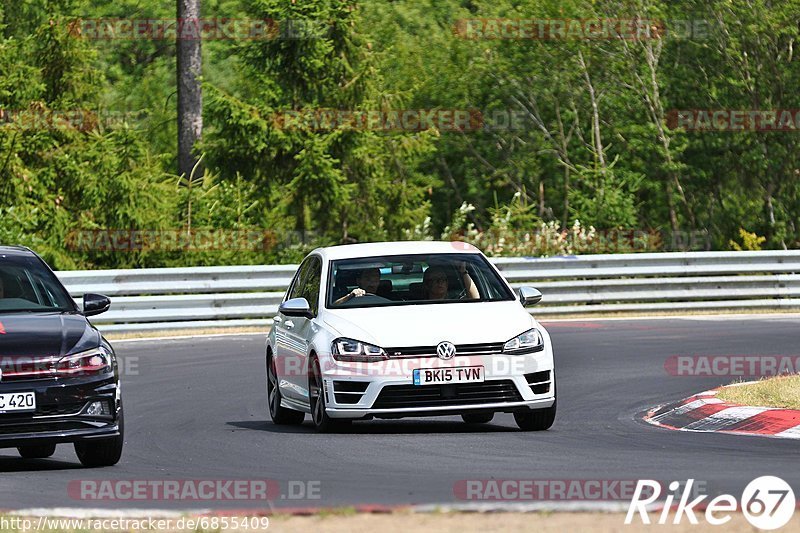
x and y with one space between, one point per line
311 284
299 279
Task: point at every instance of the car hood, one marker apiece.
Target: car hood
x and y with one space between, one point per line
430 324
45 334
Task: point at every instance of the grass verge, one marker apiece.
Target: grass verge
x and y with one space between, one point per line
781 391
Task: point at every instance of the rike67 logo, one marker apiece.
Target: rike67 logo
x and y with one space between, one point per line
768 503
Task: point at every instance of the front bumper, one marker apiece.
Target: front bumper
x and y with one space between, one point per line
60 415
512 384
501 407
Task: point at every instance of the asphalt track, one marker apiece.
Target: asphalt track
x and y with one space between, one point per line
196 409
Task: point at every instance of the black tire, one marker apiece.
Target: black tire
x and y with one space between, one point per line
102 452
537 419
280 415
322 422
37 451
477 418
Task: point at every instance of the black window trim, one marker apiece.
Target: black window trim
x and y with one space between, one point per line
307 261
498 276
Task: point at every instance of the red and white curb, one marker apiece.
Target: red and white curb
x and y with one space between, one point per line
706 413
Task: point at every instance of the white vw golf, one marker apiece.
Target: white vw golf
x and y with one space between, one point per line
400 329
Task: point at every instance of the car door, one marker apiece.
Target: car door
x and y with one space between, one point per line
286 360
300 330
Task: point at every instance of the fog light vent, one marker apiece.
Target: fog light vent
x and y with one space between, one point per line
98 409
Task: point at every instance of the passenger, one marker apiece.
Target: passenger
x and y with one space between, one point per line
436 285
368 281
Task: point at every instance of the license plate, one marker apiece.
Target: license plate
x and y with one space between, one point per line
438 376
17 401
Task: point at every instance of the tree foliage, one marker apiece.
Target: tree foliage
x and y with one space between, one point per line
573 129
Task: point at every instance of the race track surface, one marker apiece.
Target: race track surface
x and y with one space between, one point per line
196 409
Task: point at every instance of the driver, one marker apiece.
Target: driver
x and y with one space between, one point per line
368 281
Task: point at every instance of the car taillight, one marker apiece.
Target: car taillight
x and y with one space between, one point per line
85 363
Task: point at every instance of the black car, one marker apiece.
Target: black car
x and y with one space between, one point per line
59 380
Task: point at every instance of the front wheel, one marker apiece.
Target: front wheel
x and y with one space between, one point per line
536 420
37 451
102 452
322 422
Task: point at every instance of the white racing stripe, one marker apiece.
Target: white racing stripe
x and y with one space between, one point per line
685 408
791 433
725 418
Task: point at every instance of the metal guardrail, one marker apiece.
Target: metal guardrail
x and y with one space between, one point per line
212 297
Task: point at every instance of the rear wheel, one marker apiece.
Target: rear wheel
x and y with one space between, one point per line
37 451
536 420
477 418
102 452
322 421
280 415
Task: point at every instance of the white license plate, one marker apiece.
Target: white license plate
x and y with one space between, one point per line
17 401
439 376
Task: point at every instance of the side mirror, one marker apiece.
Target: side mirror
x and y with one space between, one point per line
94 304
296 307
529 296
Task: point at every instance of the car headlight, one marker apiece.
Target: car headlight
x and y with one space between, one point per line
344 349
529 342
90 362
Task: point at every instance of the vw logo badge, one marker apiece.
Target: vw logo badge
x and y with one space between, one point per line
446 350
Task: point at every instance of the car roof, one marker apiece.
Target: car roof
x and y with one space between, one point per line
15 250
372 249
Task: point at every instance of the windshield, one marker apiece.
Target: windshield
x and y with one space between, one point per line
27 285
413 279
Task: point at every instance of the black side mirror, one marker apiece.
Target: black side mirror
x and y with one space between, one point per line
529 296
296 307
94 304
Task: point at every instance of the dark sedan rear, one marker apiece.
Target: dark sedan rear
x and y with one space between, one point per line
59 380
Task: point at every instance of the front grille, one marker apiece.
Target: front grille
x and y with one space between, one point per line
410 396
350 386
59 409
461 349
21 428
